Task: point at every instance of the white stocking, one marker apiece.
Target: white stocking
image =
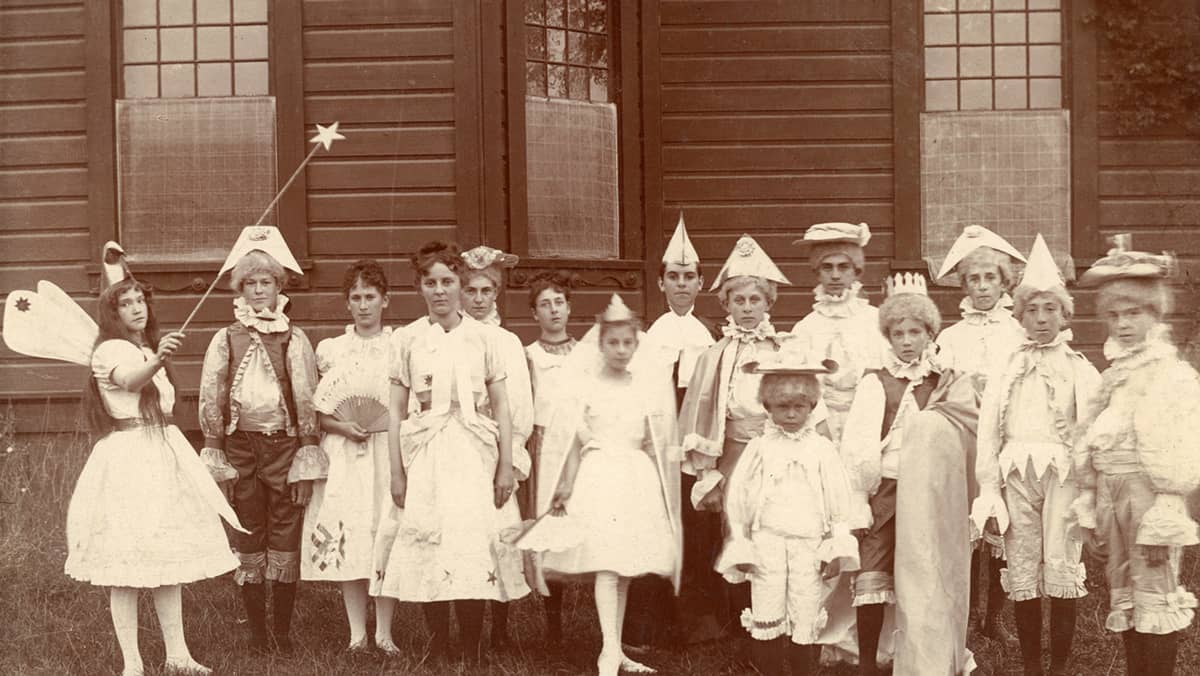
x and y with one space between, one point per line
627 663
610 600
168 604
354 595
122 603
385 608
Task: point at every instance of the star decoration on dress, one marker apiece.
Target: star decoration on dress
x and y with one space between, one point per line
491 577
327 135
379 575
23 304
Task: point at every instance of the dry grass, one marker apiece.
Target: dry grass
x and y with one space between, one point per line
50 624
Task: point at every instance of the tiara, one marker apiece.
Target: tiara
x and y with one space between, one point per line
905 282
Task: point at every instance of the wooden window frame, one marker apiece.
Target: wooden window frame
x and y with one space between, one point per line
1079 98
287 86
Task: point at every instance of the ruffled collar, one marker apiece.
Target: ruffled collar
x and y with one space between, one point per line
916 370
492 318
263 321
1065 336
1156 345
763 331
773 431
384 332
1000 312
561 348
846 304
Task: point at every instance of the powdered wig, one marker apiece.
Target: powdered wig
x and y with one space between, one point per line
1024 295
819 251
1151 293
903 306
767 287
781 387
253 263
492 272
986 256
436 251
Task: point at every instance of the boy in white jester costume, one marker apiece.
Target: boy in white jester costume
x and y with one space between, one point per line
482 284
1023 466
977 345
721 412
260 427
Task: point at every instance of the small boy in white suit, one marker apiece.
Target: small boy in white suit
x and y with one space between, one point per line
788 505
1023 465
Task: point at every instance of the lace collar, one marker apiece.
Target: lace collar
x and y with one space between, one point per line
1156 346
773 431
765 330
846 304
1065 336
1001 311
264 321
916 370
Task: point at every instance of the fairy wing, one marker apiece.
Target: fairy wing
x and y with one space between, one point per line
49 324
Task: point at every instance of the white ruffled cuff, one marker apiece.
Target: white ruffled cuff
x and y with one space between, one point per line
1083 508
840 545
218 467
1167 523
311 463
737 551
707 481
989 504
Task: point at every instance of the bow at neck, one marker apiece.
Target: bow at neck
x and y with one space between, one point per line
763 331
1000 311
1065 336
846 304
916 370
268 320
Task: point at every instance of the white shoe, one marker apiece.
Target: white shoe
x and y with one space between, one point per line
187 667
135 670
634 667
609 664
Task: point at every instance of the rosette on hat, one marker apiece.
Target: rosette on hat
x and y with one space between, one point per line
748 260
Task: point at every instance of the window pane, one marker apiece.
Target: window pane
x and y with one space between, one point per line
1010 94
139 12
941 62
141 45
1008 4
974 29
974 5
556 45
215 79
599 85
535 43
577 16
598 16
939 29
556 11
212 44
556 82
141 82
1045 60
1010 61
178 79
576 51
1045 27
1044 4
976 94
941 95
535 79
597 46
249 42
250 79
535 11
212 11
249 11
1010 28
174 12
578 85
177 44
975 61
1045 92
939 5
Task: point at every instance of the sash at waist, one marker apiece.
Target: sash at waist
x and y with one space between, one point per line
124 424
1116 461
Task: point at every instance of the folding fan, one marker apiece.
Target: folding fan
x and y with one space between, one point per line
351 397
367 411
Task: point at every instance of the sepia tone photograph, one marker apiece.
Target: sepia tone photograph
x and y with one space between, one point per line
557 337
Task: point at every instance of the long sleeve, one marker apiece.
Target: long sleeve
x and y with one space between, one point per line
741 502
987 458
860 447
310 462
1166 423
520 400
843 516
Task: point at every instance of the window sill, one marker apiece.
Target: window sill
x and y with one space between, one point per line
188 275
584 272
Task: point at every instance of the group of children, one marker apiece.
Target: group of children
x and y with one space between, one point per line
848 469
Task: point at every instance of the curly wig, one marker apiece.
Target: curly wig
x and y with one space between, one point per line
1149 292
987 256
767 287
253 263
780 387
903 306
1024 294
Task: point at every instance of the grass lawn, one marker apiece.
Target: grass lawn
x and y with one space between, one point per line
50 624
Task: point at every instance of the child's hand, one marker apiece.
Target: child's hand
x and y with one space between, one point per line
1156 555
168 344
712 502
558 503
860 533
354 431
503 485
399 489
302 492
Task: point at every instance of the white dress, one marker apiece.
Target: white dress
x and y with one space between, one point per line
617 507
145 512
341 519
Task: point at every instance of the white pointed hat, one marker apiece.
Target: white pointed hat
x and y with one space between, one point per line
748 259
680 250
973 237
265 238
617 311
485 256
1041 272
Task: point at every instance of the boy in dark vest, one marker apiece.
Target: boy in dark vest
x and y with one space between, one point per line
260 429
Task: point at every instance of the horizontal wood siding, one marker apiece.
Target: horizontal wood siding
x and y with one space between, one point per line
776 115
43 179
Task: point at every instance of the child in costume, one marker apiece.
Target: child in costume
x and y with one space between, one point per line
788 509
483 284
1136 459
721 412
905 442
611 501
260 428
144 512
978 345
550 303
1023 466
452 461
343 517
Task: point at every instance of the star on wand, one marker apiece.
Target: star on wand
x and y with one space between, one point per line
324 138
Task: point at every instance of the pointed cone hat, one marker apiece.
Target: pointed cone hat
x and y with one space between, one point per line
748 260
973 237
1041 272
265 238
680 250
617 311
